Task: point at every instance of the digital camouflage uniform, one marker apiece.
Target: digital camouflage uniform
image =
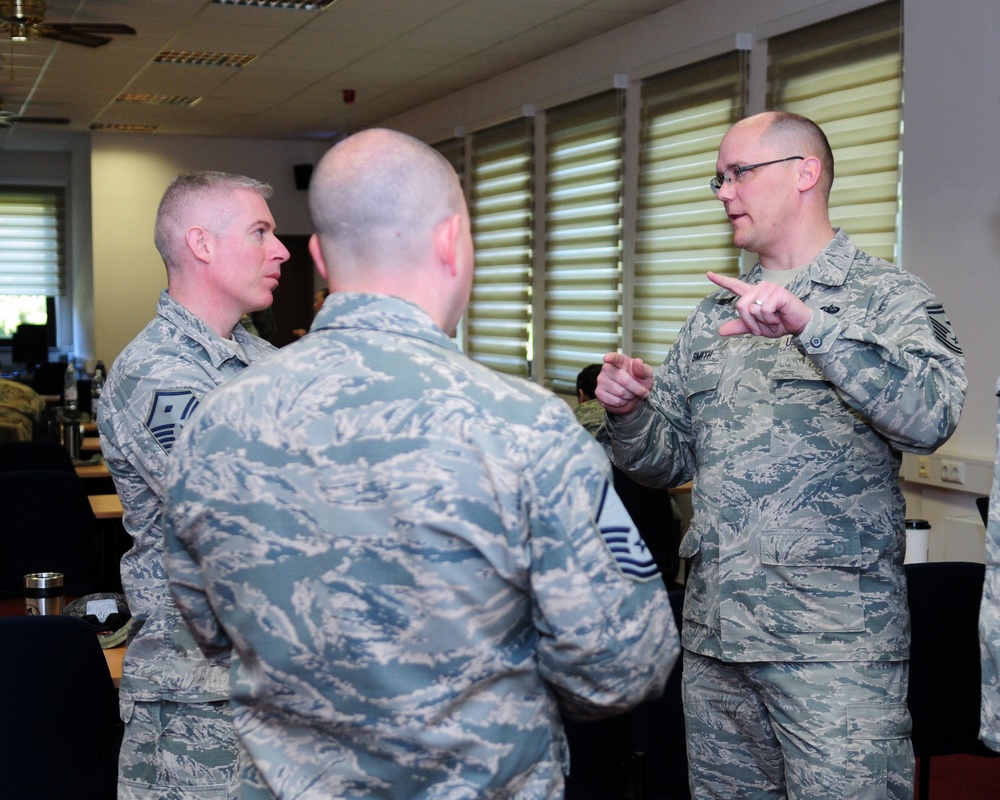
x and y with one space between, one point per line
796 544
989 617
590 414
152 389
21 410
412 562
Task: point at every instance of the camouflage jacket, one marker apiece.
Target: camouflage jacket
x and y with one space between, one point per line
796 541
590 414
989 615
21 408
410 562
153 387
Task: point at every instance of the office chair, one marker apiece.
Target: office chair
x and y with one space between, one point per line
641 755
34 455
658 730
945 671
59 726
49 526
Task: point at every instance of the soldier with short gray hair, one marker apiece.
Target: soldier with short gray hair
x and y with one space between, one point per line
215 234
410 563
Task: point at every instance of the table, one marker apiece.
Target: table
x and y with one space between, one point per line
93 470
106 506
91 444
114 656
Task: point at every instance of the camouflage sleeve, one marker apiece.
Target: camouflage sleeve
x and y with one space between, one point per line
184 576
989 617
902 368
148 405
654 443
607 637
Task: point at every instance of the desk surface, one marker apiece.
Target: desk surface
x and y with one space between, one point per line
93 470
106 506
114 656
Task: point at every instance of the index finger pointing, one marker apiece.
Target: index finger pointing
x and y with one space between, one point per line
735 285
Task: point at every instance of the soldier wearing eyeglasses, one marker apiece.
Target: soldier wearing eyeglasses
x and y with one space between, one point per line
787 399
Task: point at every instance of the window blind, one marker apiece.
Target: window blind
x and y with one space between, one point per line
845 74
454 151
681 231
583 219
498 321
31 242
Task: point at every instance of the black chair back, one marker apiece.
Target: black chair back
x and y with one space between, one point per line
945 673
61 731
34 455
49 526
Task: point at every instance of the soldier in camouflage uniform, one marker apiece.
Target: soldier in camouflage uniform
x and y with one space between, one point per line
989 615
216 236
21 409
787 398
411 562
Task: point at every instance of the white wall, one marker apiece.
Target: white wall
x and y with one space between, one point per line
129 174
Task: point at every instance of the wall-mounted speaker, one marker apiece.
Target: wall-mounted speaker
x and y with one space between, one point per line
303 174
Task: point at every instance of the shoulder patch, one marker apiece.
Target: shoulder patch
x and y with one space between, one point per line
169 411
942 327
623 540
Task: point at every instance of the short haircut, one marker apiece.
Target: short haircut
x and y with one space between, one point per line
801 131
586 381
181 193
380 209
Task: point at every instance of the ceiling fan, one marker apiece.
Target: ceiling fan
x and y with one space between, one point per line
8 118
24 17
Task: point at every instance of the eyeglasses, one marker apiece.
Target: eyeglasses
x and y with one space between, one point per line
736 172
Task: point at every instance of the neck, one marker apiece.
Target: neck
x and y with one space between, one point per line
801 249
220 320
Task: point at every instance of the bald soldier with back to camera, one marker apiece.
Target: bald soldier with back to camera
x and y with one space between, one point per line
410 563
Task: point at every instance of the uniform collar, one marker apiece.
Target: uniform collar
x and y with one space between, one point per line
194 327
343 310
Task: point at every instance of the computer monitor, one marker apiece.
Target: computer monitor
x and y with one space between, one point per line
30 346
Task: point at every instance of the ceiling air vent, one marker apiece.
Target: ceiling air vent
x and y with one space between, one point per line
203 58
301 5
158 99
120 128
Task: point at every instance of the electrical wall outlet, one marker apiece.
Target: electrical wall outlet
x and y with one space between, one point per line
952 471
923 466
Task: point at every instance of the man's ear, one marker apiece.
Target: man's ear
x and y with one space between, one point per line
809 171
317 256
199 243
446 236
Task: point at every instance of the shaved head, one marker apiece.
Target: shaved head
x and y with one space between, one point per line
801 136
376 197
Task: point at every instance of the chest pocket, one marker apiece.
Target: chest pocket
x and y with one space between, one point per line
704 378
809 417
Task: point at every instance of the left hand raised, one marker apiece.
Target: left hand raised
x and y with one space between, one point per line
765 309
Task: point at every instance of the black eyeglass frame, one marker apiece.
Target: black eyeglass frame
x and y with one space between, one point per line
739 171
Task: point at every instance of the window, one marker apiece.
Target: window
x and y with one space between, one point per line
498 321
31 257
583 236
682 231
846 75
